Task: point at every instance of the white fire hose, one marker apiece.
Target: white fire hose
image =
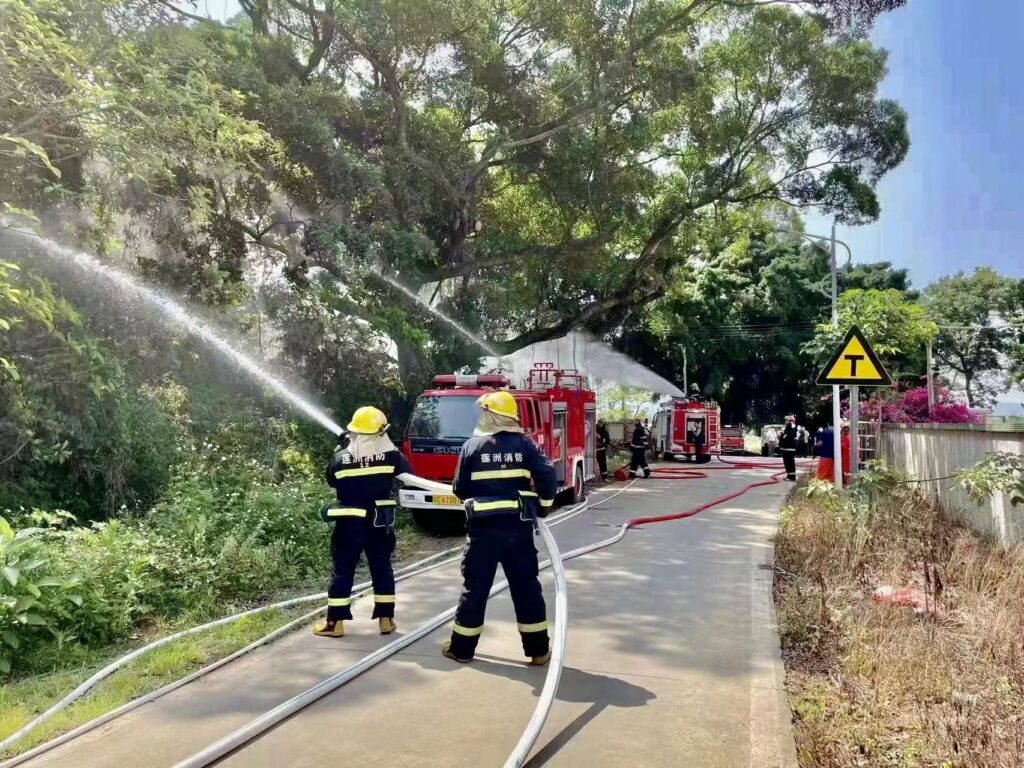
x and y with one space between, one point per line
426 485
108 670
414 569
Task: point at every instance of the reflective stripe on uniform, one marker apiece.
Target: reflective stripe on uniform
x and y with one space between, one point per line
383 598
467 631
346 512
385 502
484 506
338 602
362 471
546 502
531 494
499 474
539 626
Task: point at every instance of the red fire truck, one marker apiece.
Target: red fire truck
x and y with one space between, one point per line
688 429
556 409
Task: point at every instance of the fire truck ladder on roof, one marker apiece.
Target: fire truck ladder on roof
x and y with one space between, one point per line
546 376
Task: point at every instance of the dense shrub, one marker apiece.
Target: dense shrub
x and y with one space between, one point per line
237 522
32 597
83 439
911 407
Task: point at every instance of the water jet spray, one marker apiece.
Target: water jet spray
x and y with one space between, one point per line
179 315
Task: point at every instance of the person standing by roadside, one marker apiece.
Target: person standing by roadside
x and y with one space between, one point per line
825 451
603 440
638 446
771 439
801 442
787 446
844 445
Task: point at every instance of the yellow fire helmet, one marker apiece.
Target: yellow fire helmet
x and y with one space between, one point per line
501 403
368 421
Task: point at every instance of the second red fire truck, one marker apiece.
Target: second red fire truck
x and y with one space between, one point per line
557 410
688 429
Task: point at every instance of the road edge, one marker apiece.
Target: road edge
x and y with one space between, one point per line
772 742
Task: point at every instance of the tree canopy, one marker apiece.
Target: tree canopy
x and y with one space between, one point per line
973 338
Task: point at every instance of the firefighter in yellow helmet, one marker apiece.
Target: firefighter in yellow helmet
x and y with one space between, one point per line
363 475
493 478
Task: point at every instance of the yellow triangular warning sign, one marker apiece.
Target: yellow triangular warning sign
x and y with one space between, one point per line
854 363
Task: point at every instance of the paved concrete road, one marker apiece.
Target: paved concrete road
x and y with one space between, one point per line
672 661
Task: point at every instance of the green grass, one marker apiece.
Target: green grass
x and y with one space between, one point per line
22 700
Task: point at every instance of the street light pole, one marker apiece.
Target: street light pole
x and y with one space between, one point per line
931 381
685 390
837 439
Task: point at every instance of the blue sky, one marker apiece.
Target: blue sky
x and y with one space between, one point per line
957 202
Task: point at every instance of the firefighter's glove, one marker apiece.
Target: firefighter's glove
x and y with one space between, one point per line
324 510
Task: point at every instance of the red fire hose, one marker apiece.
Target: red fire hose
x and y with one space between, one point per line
690 473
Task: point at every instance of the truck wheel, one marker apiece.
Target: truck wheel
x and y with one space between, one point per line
704 458
667 456
577 490
441 522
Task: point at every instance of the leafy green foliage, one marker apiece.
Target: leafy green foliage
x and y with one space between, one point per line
972 339
742 317
31 595
81 436
625 403
999 471
236 523
896 329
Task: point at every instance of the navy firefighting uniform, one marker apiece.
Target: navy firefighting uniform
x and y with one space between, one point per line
638 459
787 446
493 479
364 518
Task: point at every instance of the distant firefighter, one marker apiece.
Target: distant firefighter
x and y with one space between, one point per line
603 441
638 446
787 446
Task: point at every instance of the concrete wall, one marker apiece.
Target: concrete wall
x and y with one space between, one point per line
938 450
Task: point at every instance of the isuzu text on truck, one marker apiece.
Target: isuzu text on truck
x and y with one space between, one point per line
556 409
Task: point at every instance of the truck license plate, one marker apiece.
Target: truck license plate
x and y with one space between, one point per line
448 501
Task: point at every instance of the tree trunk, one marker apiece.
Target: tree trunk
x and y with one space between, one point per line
967 385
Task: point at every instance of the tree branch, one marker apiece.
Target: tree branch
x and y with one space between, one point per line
621 298
187 15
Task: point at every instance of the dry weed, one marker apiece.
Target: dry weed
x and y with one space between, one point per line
877 685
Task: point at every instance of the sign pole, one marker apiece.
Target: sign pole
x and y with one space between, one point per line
837 424
854 365
854 415
837 439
